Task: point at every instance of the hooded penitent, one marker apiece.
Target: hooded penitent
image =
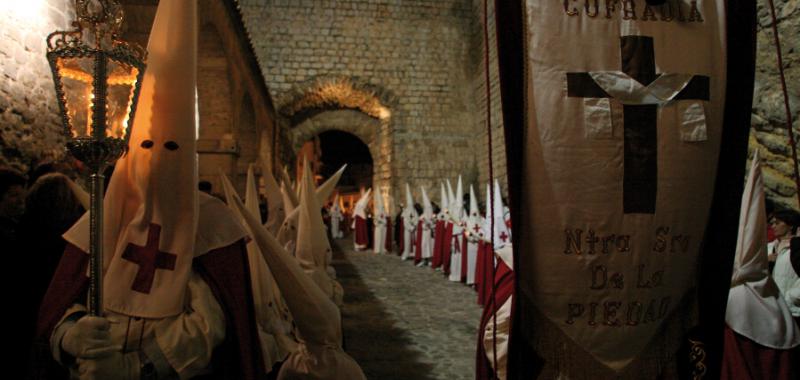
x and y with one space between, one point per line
317 318
151 207
424 246
439 230
472 230
314 252
287 233
336 218
456 232
276 211
497 313
755 308
360 234
325 190
379 220
289 197
273 318
410 219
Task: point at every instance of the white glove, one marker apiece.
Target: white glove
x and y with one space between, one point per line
113 366
88 338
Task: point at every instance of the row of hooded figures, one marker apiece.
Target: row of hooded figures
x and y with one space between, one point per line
450 238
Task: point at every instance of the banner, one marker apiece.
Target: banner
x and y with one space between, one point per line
625 105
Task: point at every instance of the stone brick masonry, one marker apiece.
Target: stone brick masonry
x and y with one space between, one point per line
30 125
419 51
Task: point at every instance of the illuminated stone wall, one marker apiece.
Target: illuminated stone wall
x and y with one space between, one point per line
30 125
415 54
769 133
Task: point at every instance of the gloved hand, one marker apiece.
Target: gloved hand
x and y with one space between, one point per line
88 338
115 365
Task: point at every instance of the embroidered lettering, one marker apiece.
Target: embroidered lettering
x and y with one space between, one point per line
573 241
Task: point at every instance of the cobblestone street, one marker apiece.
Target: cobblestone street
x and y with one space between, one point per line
404 322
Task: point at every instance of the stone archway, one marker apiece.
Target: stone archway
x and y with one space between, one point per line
354 122
346 104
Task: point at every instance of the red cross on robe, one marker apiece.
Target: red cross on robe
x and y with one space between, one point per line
149 259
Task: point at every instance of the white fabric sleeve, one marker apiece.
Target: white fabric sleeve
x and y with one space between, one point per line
187 341
61 328
793 295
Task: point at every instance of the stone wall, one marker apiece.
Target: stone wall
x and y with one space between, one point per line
498 152
30 125
413 55
769 133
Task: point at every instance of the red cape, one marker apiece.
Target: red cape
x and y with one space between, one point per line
447 247
361 232
743 358
225 270
438 234
483 272
504 288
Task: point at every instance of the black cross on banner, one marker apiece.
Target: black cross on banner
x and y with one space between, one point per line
149 259
640 180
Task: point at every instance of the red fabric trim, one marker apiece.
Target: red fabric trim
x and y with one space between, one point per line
504 290
226 270
438 234
745 359
68 284
227 274
361 233
447 248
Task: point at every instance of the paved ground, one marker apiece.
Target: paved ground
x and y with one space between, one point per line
404 322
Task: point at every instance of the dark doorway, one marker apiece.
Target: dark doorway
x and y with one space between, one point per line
327 152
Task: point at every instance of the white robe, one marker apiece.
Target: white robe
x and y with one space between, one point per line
410 226
336 218
427 238
379 235
455 253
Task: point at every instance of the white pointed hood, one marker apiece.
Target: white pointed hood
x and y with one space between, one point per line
152 200
317 318
443 201
427 207
289 198
450 196
360 209
502 236
474 219
410 212
278 343
276 211
286 180
755 307
325 190
456 202
313 248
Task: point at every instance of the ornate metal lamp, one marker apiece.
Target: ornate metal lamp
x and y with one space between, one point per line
97 79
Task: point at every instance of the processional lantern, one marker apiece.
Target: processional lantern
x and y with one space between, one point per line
97 79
